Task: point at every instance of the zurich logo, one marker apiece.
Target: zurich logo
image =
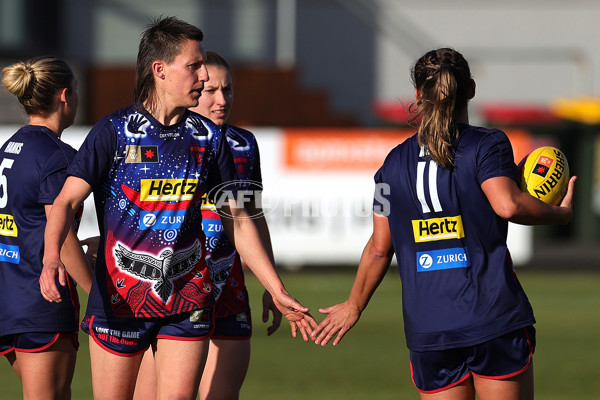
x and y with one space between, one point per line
149 219
425 261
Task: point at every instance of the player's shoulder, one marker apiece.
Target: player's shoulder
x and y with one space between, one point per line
402 149
39 139
237 129
194 116
480 132
115 119
203 125
240 135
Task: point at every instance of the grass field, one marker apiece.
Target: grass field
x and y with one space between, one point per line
372 362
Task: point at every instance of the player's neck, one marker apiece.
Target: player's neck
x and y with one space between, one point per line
50 122
166 115
463 117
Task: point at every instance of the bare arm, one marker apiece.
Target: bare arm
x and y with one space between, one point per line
263 230
509 202
74 260
244 234
374 263
60 222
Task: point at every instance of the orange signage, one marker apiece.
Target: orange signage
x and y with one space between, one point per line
351 149
340 148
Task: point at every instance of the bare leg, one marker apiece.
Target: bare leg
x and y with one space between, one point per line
179 366
462 391
113 376
145 387
47 374
225 369
12 360
518 387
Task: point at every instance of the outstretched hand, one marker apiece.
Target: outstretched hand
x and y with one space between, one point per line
269 306
50 272
340 319
298 315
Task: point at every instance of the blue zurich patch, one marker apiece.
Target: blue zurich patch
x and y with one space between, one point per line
434 260
10 253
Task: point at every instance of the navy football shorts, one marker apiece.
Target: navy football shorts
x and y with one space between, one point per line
33 342
233 327
500 358
131 336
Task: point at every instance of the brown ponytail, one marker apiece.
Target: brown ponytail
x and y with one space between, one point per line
442 78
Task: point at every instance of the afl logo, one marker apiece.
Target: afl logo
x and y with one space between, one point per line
149 220
425 261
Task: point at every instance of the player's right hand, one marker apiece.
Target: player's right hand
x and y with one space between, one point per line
50 271
340 319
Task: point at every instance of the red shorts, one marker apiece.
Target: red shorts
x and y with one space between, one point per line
131 336
499 358
33 342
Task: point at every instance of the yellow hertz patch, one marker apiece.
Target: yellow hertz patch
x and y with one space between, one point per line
8 227
167 189
426 230
208 204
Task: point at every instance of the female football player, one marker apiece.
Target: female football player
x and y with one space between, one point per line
229 349
38 337
442 204
149 165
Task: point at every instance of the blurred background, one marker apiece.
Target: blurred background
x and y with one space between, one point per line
324 84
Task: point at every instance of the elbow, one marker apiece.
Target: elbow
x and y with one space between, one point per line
507 207
507 211
382 252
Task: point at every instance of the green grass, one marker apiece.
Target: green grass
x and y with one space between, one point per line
372 360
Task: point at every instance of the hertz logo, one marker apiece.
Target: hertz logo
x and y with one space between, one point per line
208 204
8 227
426 230
168 189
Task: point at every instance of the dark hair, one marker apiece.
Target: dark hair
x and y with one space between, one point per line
36 81
443 79
162 40
215 60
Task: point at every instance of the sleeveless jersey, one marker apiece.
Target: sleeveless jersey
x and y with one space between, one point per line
148 180
229 286
458 284
32 172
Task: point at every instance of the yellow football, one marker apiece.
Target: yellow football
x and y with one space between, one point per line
544 174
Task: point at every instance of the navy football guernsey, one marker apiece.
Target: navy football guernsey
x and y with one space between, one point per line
222 256
459 286
148 181
32 172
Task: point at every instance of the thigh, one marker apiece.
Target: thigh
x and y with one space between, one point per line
461 391
11 357
179 365
113 375
519 387
145 385
225 369
48 373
